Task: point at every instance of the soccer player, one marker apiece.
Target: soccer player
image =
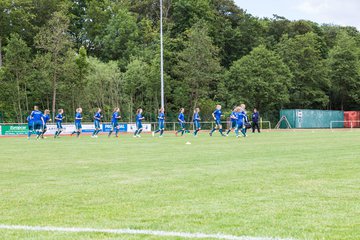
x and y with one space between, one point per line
97 119
78 118
217 117
30 125
59 118
38 118
196 119
161 119
255 121
246 120
181 120
46 118
139 119
233 120
114 122
241 119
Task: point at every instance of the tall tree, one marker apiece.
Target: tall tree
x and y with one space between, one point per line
188 12
104 86
96 18
54 39
77 22
344 65
40 82
276 28
120 37
135 78
310 84
15 17
17 66
198 65
82 65
264 80
73 80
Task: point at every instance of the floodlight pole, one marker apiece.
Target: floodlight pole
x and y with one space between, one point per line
161 54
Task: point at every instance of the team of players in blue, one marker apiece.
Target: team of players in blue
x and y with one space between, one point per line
37 122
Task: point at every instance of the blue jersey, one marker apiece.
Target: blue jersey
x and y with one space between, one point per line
37 115
217 113
46 118
255 117
181 117
59 118
78 118
161 117
241 118
97 117
233 116
29 120
196 117
115 117
245 117
139 117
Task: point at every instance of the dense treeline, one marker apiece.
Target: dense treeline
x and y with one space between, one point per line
105 53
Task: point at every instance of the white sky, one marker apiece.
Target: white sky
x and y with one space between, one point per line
340 12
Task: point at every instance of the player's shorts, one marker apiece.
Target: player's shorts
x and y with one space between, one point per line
139 125
31 126
233 124
218 122
182 125
38 125
114 125
59 125
161 125
240 125
97 124
197 125
78 125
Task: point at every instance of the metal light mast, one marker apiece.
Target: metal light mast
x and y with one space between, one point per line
161 55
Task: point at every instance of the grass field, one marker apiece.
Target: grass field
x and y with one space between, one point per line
301 185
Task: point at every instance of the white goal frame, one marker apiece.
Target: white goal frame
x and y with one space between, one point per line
351 124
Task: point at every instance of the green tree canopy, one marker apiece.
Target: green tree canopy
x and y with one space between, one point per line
16 67
260 79
198 66
310 84
54 39
344 65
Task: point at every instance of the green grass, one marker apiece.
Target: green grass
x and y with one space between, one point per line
302 185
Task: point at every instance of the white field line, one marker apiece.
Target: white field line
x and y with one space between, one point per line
133 232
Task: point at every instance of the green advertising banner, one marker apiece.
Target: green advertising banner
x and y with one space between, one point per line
14 129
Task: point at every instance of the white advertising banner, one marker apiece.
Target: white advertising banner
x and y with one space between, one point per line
88 128
67 129
132 127
51 129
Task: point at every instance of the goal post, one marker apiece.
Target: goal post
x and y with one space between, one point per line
265 125
350 125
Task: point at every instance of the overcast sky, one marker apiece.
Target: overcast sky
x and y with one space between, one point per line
340 12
